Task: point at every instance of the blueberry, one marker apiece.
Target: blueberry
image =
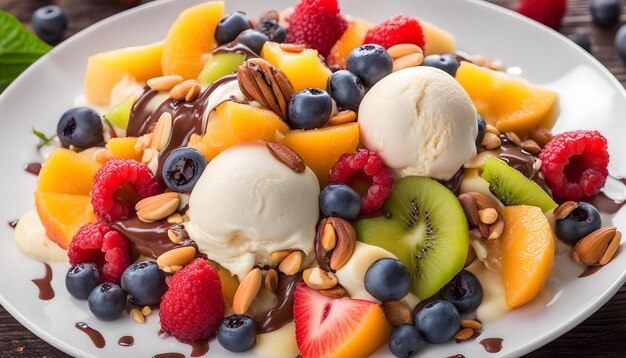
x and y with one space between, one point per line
230 26
581 38
482 128
445 62
340 200
309 109
107 301
438 321
81 279
237 333
273 29
582 221
80 127
370 63
182 169
253 39
620 42
405 341
388 280
346 89
145 283
605 13
49 23
464 291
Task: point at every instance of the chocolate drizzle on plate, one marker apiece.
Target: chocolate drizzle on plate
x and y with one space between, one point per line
46 292
282 313
95 336
126 341
454 183
457 356
32 168
13 223
169 355
492 345
199 347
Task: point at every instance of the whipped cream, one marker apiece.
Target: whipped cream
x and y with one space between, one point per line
31 239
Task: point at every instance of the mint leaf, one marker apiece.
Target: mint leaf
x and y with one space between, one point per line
44 139
19 48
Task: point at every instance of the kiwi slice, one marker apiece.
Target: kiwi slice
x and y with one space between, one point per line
513 188
425 227
219 66
120 114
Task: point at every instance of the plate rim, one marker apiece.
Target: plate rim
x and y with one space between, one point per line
529 346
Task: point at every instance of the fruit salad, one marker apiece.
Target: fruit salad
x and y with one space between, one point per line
307 183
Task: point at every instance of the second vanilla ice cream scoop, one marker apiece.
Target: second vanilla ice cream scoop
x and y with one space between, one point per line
248 204
421 122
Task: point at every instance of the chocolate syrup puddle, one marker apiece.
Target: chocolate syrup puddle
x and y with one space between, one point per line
146 239
187 119
238 48
282 313
13 223
521 160
590 271
126 341
46 292
492 345
32 168
454 184
169 355
199 348
605 204
457 356
95 336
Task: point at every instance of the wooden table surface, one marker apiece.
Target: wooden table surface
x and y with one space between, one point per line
602 335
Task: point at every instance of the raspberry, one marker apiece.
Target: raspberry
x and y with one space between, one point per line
316 23
547 12
364 165
574 164
193 307
399 29
103 246
113 176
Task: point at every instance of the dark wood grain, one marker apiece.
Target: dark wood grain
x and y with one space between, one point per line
602 335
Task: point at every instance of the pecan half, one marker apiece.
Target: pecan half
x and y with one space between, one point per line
260 81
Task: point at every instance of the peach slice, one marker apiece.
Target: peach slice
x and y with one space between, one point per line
527 249
63 214
304 69
190 39
124 148
351 39
67 172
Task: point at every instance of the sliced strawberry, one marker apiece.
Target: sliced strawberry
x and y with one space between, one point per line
327 327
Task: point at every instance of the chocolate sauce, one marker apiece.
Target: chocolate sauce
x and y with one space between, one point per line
199 348
321 255
454 184
521 160
457 356
605 204
282 313
32 168
187 119
13 223
169 355
146 239
46 292
238 48
590 271
95 336
492 345
126 341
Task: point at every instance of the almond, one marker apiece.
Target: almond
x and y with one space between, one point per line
329 237
564 209
541 136
179 256
164 83
412 60
278 256
346 241
162 132
470 323
397 313
180 91
157 207
496 229
470 207
193 93
531 146
271 280
611 249
401 50
336 292
247 291
471 255
318 279
342 117
492 129
491 141
514 138
591 248
290 47
484 201
287 156
464 334
291 264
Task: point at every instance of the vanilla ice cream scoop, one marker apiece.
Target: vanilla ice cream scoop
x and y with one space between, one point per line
420 121
247 204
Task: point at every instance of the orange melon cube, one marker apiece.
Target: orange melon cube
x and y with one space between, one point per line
351 39
436 39
67 172
527 249
124 148
321 148
304 69
510 104
233 123
63 214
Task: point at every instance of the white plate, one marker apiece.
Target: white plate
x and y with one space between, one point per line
591 98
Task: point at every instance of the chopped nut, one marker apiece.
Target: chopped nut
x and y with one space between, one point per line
329 237
164 83
541 136
611 249
146 310
342 117
103 155
271 280
278 256
397 313
484 201
346 241
177 234
291 264
491 141
496 229
514 138
492 129
336 292
180 91
464 334
247 291
178 256
137 316
193 93
470 323
412 60
157 207
531 146
564 209
162 132
470 207
175 218
290 47
599 245
287 156
488 215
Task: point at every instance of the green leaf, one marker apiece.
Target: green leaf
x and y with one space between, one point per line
44 138
19 48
